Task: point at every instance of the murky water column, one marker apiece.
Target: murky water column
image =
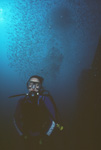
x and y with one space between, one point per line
56 39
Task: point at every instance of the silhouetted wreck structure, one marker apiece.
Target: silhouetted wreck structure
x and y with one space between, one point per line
88 117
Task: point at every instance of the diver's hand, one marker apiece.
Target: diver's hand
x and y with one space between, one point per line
25 137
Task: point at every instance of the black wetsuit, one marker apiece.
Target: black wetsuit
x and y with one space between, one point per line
36 118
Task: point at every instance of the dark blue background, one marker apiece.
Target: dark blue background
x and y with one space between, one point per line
56 39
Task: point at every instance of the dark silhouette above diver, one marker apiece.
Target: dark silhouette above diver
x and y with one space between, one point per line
36 116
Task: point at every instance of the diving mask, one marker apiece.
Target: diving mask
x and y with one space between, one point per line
33 85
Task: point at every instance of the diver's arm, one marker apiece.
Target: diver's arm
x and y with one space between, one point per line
17 119
51 108
18 130
54 113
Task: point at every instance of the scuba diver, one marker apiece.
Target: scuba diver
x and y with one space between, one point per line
36 117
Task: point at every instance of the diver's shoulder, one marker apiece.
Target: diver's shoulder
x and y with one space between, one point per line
46 94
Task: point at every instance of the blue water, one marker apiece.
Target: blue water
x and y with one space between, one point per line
55 39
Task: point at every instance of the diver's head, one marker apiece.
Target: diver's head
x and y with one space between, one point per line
34 83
